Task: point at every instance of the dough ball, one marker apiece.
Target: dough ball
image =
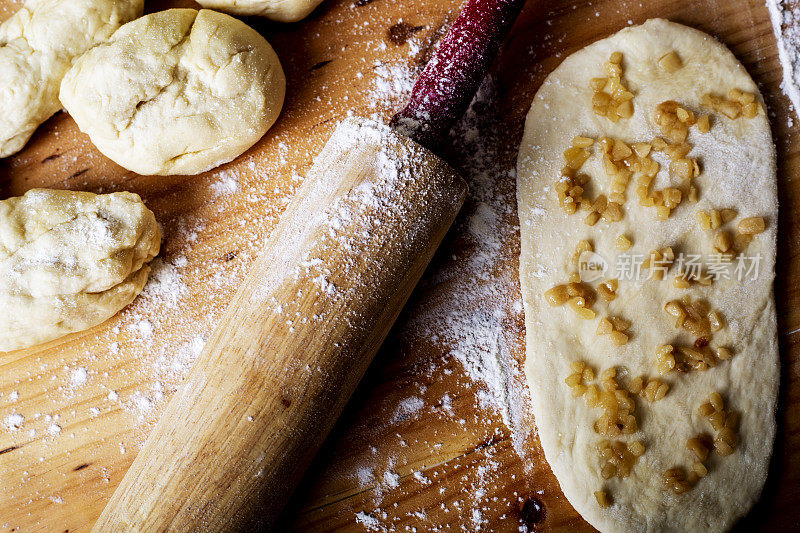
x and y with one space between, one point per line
280 10
737 170
37 45
176 92
69 261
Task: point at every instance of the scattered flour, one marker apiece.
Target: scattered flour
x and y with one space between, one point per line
408 408
176 363
141 403
227 183
142 327
419 476
369 522
470 318
365 476
391 479
14 421
79 376
785 15
165 285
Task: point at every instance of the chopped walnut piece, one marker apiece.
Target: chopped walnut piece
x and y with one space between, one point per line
723 242
617 458
623 242
665 358
698 447
739 103
558 295
602 499
611 98
724 423
699 469
670 62
582 246
608 289
703 124
751 226
675 480
659 262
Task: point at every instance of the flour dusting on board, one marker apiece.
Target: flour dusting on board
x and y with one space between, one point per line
785 15
481 335
478 320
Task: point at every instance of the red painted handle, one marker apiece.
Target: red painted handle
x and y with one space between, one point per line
450 79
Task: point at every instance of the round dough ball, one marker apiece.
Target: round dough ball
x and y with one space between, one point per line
69 261
176 92
280 10
37 45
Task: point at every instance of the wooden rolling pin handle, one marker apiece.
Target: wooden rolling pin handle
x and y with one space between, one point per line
296 339
451 78
301 330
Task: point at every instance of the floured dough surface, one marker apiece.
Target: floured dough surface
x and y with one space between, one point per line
176 92
280 10
69 261
37 45
737 158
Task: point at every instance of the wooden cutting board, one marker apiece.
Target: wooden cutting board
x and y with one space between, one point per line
429 440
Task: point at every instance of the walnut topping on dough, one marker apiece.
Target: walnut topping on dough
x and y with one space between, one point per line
612 99
698 330
724 423
738 104
615 327
620 162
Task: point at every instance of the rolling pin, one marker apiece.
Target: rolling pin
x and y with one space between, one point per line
319 300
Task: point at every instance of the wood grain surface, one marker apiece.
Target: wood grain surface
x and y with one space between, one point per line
426 442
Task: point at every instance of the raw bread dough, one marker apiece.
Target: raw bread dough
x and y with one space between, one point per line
176 92
69 261
280 10
738 170
37 45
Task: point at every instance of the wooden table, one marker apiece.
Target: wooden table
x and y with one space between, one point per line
438 436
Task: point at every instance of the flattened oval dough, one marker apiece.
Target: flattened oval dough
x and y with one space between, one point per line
69 261
280 10
176 92
37 45
739 171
